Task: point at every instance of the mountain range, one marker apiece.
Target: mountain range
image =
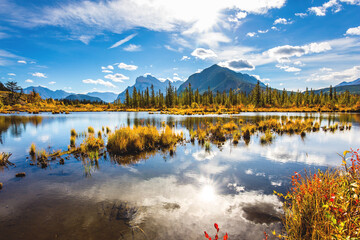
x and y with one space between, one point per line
353 87
220 79
46 93
146 81
216 77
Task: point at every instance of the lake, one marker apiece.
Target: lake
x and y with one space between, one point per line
157 195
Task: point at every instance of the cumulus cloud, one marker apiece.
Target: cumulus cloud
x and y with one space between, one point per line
106 71
39 75
117 77
238 65
328 75
184 58
12 74
334 5
203 53
241 15
127 67
98 81
282 21
132 48
298 51
353 31
302 15
251 34
29 81
108 67
122 41
263 31
51 83
287 68
22 61
261 79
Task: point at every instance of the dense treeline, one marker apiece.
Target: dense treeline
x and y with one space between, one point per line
259 98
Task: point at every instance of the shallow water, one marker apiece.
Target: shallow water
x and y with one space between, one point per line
160 196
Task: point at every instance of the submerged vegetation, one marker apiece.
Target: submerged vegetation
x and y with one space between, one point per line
324 205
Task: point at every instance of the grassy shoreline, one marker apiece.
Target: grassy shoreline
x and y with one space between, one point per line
172 111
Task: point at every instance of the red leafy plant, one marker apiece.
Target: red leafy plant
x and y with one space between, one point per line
226 237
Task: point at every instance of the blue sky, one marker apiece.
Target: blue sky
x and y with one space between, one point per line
83 46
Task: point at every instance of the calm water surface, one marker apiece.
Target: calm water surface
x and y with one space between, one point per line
158 196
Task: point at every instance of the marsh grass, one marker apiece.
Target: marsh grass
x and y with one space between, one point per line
32 151
4 159
126 140
73 133
324 205
72 141
267 137
207 146
91 130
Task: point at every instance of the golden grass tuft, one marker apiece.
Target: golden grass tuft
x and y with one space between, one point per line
91 130
126 140
4 159
32 151
73 133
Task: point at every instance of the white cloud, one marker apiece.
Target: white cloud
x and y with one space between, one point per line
263 31
22 61
99 81
321 10
107 71
85 39
184 58
122 41
324 69
328 75
302 15
51 83
108 67
282 21
29 81
353 31
241 15
274 28
238 65
147 74
288 68
132 48
299 63
185 16
39 75
117 77
203 53
11 74
298 51
261 79
251 34
168 47
127 67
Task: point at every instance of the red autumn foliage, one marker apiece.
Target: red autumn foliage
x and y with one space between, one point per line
226 236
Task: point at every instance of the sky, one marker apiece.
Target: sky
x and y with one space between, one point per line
83 46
